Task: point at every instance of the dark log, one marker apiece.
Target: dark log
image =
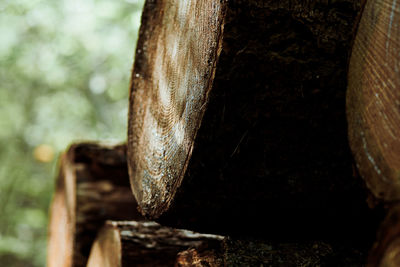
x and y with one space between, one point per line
92 186
149 244
271 149
145 244
373 99
386 249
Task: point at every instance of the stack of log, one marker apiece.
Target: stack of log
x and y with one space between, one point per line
238 142
92 187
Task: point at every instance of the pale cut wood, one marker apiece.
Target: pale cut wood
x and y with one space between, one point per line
271 151
92 186
373 99
60 239
386 250
133 243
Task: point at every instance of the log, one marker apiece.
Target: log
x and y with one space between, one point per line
373 99
145 244
237 114
386 249
92 186
251 253
149 244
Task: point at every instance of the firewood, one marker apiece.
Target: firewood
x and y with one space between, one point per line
373 99
237 114
132 243
145 244
92 186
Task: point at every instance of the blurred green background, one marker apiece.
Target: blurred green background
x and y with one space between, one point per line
64 76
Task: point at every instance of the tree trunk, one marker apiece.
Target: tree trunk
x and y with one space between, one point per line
149 244
386 250
271 151
145 244
92 186
373 100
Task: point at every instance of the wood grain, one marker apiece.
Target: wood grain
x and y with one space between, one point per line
174 66
92 186
373 99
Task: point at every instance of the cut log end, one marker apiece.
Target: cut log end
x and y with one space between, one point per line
92 186
106 251
373 99
60 242
173 72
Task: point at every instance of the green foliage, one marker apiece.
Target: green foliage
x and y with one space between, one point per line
64 72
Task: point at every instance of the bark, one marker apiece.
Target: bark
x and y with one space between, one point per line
92 186
271 151
194 257
386 249
145 244
373 100
149 244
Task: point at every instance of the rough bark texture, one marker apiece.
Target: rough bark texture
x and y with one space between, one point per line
194 257
149 244
146 244
273 140
386 250
92 186
373 100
